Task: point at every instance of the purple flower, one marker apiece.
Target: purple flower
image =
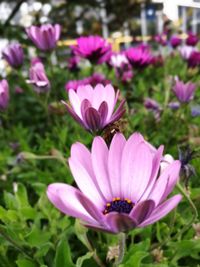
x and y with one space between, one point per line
38 77
192 39
118 59
194 59
44 37
4 94
161 39
174 105
186 51
120 187
93 80
175 41
184 91
94 107
14 55
93 48
195 111
73 63
139 57
151 104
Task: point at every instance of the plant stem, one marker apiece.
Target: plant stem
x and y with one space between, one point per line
193 208
122 248
91 249
6 237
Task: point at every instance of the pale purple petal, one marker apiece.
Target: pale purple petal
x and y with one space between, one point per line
142 210
84 178
120 222
165 183
100 166
114 163
162 210
92 119
64 197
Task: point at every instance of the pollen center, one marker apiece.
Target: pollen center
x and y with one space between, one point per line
119 205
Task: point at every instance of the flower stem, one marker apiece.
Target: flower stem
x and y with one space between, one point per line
193 208
6 237
91 249
122 249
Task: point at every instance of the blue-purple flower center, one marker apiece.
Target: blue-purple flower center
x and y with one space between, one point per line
119 205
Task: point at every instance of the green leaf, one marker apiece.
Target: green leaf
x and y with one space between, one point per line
21 196
63 255
25 263
135 259
37 238
81 259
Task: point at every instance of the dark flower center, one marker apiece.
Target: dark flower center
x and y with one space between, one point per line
119 205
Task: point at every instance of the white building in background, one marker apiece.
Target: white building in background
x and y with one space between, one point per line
171 9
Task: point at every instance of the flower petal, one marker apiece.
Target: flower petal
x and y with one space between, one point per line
162 210
64 198
85 181
92 119
103 111
100 166
75 102
114 163
120 222
154 174
142 210
136 170
165 183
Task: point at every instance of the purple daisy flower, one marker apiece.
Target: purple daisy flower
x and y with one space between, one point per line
192 39
94 107
139 57
44 37
93 48
120 187
14 55
184 91
175 41
4 94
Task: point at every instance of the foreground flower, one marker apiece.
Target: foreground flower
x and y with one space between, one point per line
184 91
38 76
192 39
44 37
139 57
4 94
120 187
93 48
14 55
94 107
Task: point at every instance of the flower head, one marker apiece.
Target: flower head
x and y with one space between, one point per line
93 48
93 80
184 91
14 55
139 57
94 107
161 39
186 51
192 39
4 94
120 187
44 37
175 41
38 76
194 59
